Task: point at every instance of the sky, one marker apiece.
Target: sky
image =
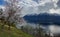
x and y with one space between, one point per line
1 2
38 6
31 7
41 6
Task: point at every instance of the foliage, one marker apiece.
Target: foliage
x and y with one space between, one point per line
10 13
14 32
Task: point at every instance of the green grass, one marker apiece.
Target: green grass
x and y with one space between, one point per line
14 32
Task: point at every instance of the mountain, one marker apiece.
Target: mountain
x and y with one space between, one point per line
43 18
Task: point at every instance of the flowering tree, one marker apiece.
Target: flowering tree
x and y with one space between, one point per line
12 9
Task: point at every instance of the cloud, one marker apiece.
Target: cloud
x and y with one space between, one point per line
54 11
46 7
58 3
29 10
32 7
54 29
2 7
55 1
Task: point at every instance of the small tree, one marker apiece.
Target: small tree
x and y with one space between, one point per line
1 17
11 9
1 11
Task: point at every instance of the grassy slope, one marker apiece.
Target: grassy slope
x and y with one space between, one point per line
12 33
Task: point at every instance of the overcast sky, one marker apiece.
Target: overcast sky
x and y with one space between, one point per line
38 6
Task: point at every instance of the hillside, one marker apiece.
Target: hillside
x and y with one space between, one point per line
14 32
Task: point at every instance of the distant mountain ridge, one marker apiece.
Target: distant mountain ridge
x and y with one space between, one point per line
43 18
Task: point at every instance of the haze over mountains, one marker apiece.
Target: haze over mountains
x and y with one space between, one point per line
44 19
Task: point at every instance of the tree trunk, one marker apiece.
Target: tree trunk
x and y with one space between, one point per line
9 27
2 27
